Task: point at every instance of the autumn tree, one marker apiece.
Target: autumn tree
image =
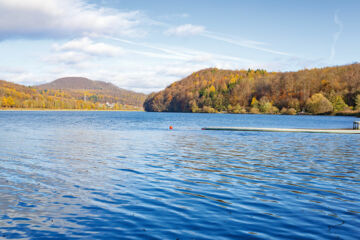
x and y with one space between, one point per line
357 102
318 104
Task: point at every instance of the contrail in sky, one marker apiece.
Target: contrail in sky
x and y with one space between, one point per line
246 44
336 35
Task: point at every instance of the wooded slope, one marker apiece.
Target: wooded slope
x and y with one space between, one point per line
69 93
214 90
96 91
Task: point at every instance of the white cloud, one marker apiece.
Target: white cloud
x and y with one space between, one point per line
69 57
63 18
80 53
158 77
185 30
87 46
24 77
98 43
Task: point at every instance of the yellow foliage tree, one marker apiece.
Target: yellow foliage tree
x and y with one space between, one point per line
4 102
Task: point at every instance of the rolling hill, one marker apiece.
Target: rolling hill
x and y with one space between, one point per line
69 93
316 91
97 91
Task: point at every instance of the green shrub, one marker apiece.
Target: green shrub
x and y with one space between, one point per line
254 110
265 106
274 110
357 102
295 104
291 111
207 109
318 104
338 103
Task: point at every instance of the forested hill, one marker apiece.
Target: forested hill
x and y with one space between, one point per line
96 91
69 93
317 91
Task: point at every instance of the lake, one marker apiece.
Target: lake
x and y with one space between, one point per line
106 175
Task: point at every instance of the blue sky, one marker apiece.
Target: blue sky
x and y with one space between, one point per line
145 45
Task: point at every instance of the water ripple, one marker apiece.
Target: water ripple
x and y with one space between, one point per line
100 175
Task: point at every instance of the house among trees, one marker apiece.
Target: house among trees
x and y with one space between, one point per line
110 105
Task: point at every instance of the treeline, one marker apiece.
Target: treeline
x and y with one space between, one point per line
316 91
19 96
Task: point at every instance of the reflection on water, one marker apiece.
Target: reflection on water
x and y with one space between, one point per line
110 175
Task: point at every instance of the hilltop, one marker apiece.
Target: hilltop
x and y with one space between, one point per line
97 91
316 91
69 93
78 83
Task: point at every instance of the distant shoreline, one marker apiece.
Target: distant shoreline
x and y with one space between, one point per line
65 110
344 114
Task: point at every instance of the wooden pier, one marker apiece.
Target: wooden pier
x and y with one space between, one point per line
356 125
300 130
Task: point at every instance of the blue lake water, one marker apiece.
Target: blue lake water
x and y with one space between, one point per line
106 175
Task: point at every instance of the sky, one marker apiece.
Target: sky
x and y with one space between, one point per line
144 45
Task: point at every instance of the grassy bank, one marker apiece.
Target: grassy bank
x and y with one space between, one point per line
348 113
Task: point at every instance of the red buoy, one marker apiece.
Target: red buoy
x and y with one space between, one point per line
171 127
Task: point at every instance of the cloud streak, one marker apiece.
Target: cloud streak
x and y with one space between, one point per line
336 35
192 30
243 43
188 55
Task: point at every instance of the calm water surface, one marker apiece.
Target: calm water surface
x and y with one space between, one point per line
106 175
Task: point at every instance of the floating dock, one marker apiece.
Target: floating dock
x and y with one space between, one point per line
301 130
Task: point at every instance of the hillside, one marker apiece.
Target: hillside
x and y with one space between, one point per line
316 91
96 91
69 93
